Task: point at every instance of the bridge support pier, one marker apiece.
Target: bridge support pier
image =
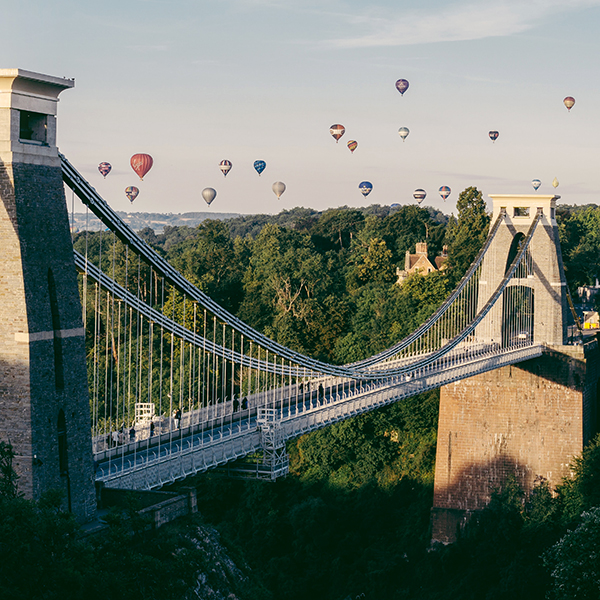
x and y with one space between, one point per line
526 420
44 406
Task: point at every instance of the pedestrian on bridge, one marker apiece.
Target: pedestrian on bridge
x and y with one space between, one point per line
177 418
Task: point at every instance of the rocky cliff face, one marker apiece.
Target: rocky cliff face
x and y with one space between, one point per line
220 578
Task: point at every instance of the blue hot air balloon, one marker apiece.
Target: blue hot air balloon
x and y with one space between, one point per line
536 184
260 166
365 188
445 191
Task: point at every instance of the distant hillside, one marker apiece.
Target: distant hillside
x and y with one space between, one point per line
241 224
156 221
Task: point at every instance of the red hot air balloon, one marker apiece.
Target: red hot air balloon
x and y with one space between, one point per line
104 169
337 131
402 86
493 135
141 164
352 145
569 101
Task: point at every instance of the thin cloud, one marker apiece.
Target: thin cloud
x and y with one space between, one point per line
459 22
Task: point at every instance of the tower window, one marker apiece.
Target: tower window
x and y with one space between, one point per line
33 127
521 211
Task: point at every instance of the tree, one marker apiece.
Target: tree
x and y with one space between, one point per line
470 231
574 561
8 477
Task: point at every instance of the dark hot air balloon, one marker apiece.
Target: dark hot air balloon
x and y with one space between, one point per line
209 194
445 191
141 164
365 188
493 135
536 184
278 188
402 86
131 192
104 168
419 195
352 145
225 166
337 131
260 166
569 101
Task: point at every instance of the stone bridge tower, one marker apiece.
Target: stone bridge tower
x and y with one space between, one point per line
530 419
44 407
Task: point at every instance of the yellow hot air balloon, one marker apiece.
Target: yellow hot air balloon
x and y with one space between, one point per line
555 183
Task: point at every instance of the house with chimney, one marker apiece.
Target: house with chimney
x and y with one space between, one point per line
420 263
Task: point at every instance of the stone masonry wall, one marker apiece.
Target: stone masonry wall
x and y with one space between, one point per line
36 343
528 420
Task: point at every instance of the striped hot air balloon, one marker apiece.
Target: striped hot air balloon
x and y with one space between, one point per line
445 191
131 192
419 195
141 164
225 166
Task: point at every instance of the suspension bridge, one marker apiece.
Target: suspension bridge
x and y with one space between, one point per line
178 385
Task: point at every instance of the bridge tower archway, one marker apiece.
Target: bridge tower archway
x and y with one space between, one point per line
542 272
44 405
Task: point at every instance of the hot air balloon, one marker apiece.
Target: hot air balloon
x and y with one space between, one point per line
445 191
493 135
555 183
131 192
104 168
352 145
419 195
278 188
365 188
141 164
209 194
403 132
337 131
569 101
260 166
536 184
225 166
402 86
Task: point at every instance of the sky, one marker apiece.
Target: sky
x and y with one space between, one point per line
193 82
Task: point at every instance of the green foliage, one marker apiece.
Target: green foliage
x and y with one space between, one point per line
8 477
574 561
44 555
582 491
469 233
580 242
357 505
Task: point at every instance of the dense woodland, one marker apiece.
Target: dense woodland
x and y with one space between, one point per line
352 518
